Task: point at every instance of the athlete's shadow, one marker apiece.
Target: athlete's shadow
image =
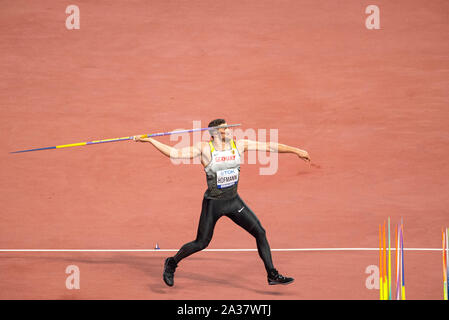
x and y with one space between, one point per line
228 280
235 283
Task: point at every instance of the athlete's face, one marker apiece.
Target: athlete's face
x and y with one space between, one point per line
224 133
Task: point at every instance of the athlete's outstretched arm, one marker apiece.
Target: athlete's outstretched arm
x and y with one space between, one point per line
249 145
169 151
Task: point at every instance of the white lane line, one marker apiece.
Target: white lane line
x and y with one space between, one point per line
212 250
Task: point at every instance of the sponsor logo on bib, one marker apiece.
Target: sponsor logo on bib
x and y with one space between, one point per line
227 178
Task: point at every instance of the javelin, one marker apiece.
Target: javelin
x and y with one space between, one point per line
126 138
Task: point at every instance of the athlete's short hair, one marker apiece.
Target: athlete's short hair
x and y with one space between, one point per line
215 123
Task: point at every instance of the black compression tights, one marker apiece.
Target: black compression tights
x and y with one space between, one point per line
212 210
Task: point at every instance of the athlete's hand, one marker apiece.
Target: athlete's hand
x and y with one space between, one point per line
139 138
304 155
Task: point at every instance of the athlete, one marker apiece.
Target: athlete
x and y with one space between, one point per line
221 160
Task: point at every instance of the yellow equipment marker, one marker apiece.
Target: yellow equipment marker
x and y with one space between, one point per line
385 265
389 261
445 293
402 261
380 265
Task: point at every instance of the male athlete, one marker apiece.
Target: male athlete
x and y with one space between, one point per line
221 160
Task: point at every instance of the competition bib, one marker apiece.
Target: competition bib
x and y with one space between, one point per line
227 178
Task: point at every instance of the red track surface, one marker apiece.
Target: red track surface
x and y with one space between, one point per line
370 106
